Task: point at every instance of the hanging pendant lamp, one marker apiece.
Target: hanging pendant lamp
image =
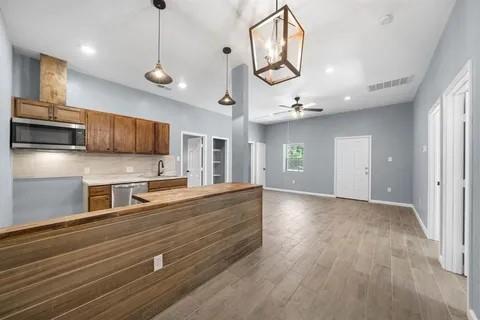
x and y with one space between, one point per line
227 100
158 75
277 46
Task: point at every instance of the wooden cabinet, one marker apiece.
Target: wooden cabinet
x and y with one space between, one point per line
162 138
145 141
68 114
161 185
99 132
99 198
24 108
123 134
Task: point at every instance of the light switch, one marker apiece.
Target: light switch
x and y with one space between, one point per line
293 181
389 159
129 169
389 189
86 170
424 148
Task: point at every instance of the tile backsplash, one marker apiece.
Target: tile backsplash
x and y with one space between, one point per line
41 164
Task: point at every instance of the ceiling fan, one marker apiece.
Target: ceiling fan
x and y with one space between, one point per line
297 109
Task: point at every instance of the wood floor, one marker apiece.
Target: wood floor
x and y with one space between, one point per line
331 259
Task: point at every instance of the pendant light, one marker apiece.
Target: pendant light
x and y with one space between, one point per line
227 100
158 75
277 46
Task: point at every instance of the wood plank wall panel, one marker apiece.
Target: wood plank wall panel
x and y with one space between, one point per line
104 269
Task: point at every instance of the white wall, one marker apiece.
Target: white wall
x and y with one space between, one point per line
5 107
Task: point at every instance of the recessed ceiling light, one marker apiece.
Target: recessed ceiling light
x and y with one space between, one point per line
182 85
88 50
386 19
347 98
329 70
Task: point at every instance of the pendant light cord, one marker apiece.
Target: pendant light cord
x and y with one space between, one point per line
226 76
158 42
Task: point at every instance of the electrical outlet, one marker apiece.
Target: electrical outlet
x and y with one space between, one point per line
389 159
86 170
389 189
178 158
129 169
293 181
158 262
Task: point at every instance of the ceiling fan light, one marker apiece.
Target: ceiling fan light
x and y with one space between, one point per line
158 75
226 100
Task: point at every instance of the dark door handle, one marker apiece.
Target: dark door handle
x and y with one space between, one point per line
438 183
188 171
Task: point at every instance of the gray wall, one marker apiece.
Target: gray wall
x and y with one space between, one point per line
391 130
240 160
5 107
256 132
42 199
94 93
460 42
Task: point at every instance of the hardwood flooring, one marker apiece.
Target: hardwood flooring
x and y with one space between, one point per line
331 259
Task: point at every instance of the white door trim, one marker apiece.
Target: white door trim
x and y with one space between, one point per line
369 137
253 157
227 157
204 160
452 226
432 219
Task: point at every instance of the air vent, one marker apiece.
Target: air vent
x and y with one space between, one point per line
390 84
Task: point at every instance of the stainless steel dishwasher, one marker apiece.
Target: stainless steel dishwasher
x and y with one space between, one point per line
122 193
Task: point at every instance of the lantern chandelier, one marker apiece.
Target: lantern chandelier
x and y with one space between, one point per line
277 46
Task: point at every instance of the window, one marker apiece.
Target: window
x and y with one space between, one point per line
293 157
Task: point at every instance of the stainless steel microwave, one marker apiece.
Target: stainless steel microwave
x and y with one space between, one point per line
40 134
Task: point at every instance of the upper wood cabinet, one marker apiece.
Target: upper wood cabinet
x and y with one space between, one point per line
24 108
68 114
123 134
145 138
99 132
162 138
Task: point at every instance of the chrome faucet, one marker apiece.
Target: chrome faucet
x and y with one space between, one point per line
161 167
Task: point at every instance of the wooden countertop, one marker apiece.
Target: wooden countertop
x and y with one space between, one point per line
155 200
186 194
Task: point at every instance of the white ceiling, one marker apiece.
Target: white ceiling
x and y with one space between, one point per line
344 34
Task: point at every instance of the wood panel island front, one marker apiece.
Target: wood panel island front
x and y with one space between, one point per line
100 265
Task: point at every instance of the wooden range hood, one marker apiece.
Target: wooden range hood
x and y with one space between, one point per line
53 80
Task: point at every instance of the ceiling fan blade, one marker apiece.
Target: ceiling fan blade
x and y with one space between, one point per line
313 109
308 105
284 106
282 112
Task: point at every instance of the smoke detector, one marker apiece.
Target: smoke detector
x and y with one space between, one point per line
386 19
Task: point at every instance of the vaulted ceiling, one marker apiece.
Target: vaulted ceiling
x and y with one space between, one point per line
343 35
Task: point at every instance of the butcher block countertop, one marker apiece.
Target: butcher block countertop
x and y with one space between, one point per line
186 194
155 200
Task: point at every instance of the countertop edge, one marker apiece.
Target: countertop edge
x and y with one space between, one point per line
86 217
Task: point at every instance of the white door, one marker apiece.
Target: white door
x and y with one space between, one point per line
260 166
353 167
194 162
437 172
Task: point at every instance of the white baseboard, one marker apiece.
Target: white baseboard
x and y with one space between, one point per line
424 229
390 203
301 192
471 315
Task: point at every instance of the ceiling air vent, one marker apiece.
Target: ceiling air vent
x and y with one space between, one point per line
390 84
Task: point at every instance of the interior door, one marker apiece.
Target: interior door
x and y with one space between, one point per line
437 172
194 162
260 166
353 168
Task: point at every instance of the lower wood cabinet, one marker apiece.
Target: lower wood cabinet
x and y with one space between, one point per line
99 198
161 185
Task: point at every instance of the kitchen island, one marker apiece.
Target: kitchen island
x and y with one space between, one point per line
129 262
